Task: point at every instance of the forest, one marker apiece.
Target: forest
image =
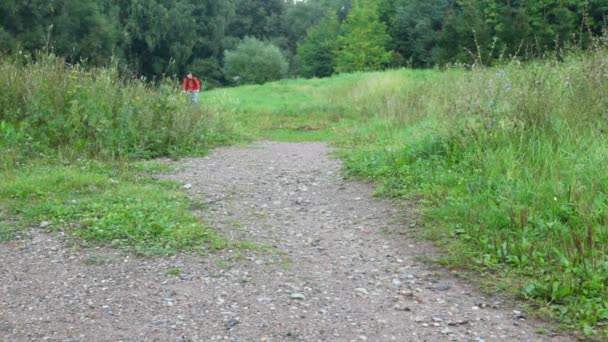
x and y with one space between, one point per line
309 38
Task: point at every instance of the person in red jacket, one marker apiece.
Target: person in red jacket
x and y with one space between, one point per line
191 87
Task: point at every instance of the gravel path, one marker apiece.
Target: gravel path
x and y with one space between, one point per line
343 266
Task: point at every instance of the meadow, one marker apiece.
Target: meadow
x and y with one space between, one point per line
508 164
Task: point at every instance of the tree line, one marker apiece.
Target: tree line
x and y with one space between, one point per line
312 38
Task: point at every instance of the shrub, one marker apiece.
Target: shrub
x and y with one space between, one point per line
254 61
50 106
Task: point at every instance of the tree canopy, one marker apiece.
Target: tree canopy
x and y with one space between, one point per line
156 38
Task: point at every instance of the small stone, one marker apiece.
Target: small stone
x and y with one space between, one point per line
437 319
461 322
396 282
441 286
418 319
361 291
188 186
231 323
401 308
45 224
297 296
446 331
519 314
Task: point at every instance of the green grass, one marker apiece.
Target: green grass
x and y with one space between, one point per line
174 271
510 162
98 204
303 110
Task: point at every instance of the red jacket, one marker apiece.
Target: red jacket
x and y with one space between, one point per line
191 84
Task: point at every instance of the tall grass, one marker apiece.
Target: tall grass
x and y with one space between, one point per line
48 106
514 161
57 120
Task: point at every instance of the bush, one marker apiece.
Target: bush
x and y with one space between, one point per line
50 106
254 61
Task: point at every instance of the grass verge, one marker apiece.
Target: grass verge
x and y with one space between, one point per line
97 203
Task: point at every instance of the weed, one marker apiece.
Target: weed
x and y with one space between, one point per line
174 271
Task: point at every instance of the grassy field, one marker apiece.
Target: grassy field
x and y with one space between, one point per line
312 110
509 162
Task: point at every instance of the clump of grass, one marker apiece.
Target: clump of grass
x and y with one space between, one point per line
174 271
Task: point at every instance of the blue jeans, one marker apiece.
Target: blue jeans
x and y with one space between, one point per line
192 96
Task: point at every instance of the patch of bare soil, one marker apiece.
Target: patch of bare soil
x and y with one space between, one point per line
342 266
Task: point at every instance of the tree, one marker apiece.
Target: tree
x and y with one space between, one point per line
299 17
255 61
166 36
257 18
76 29
362 45
466 35
416 28
317 52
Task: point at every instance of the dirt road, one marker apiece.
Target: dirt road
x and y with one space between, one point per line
342 266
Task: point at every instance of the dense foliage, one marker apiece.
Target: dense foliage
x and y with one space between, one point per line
168 37
254 61
49 107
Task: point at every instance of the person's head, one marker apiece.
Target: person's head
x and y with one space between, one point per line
189 74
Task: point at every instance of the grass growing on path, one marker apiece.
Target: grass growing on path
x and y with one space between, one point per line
100 204
511 162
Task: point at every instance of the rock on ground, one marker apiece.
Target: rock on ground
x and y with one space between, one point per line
342 266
